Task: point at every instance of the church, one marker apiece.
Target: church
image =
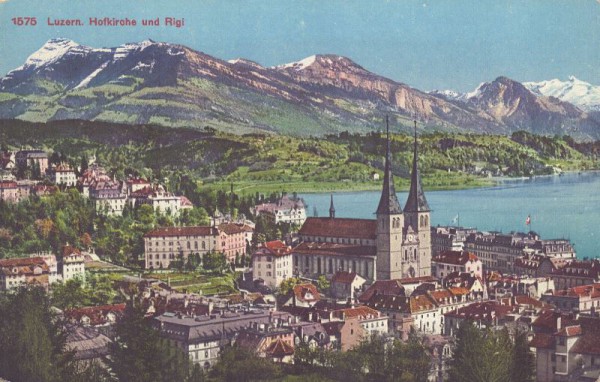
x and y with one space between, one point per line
395 245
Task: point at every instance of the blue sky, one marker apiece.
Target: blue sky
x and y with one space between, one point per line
427 44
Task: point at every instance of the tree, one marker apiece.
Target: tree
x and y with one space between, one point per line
237 364
139 354
287 285
215 262
322 283
32 339
523 362
70 294
481 356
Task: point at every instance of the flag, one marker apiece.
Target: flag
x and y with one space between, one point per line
455 219
528 220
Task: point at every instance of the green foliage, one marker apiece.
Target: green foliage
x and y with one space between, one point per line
323 284
288 284
215 262
374 359
490 356
240 365
139 354
32 339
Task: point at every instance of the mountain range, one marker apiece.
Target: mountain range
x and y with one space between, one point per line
172 85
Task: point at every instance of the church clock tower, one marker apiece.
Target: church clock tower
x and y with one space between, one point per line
418 215
390 224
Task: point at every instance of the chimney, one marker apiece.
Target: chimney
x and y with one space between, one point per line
558 323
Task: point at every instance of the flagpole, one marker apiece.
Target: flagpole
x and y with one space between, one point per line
458 220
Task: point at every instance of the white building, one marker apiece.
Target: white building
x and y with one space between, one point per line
272 262
163 245
448 262
160 200
63 175
285 210
71 264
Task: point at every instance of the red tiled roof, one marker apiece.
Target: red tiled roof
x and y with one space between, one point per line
137 181
455 257
183 231
383 287
487 311
279 348
570 331
309 248
420 279
343 228
8 184
592 291
547 321
230 228
343 277
421 302
589 342
543 341
69 250
22 261
275 248
301 291
96 314
361 312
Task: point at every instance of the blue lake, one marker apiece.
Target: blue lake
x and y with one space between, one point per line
565 206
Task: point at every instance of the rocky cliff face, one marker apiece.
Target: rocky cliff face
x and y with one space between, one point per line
150 82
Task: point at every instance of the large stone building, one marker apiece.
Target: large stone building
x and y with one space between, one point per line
397 244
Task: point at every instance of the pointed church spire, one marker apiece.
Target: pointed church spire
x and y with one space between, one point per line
331 209
388 204
416 201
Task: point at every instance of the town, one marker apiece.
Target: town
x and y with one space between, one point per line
293 290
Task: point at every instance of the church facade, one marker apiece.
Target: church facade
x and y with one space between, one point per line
397 244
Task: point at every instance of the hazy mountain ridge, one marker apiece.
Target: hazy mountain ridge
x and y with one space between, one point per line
173 85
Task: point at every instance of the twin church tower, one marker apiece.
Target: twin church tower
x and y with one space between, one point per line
396 245
403 237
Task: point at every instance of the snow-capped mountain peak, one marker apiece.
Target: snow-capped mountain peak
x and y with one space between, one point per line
574 90
299 65
53 50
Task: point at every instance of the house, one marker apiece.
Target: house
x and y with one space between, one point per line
303 295
9 191
20 271
62 175
285 210
164 245
7 160
272 262
32 158
96 316
372 321
344 285
159 199
423 312
71 264
134 184
570 353
484 314
575 273
88 344
447 262
202 337
233 240
536 265
108 197
272 340
449 238
584 298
